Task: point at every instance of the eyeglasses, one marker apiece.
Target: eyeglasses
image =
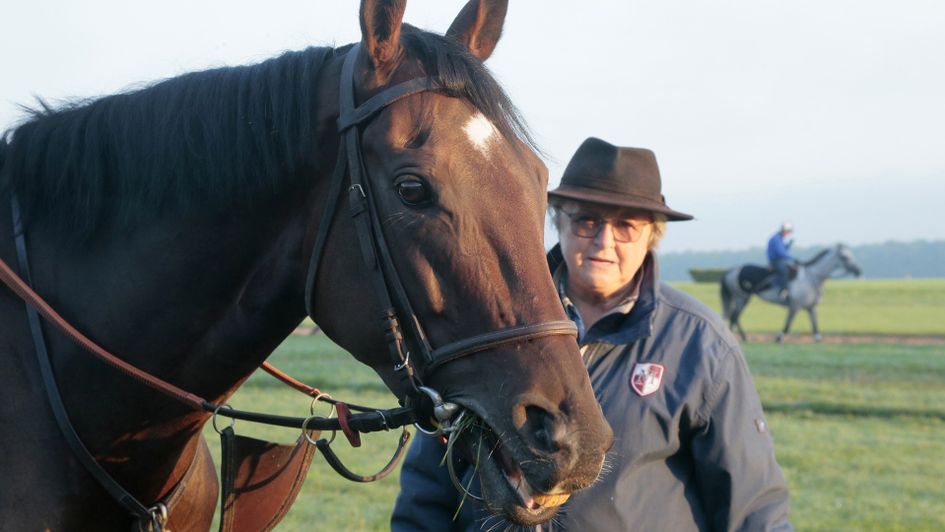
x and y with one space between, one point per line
587 225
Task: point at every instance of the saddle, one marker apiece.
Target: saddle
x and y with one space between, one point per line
753 278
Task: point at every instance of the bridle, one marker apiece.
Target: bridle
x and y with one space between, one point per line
406 343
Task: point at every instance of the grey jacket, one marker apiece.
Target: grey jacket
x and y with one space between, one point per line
692 450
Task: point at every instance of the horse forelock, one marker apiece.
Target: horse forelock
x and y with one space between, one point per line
200 140
462 75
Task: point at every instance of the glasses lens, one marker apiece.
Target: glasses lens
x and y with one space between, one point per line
625 231
587 225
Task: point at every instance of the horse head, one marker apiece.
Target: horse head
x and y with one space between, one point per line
460 200
848 261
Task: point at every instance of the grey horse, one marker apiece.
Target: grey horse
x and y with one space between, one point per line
804 290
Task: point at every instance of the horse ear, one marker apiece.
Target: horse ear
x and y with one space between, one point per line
380 32
479 26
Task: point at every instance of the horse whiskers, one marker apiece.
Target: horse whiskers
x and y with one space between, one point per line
606 467
498 522
397 217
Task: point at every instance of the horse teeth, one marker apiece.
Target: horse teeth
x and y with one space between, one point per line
551 500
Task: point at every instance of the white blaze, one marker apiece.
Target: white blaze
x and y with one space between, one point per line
480 132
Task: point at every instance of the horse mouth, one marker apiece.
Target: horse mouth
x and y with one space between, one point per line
504 484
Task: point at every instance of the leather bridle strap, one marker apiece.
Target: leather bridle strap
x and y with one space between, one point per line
490 340
331 204
117 492
374 249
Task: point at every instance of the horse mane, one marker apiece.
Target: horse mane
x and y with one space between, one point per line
817 257
203 140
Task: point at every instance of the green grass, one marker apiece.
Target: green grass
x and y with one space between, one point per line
859 429
849 306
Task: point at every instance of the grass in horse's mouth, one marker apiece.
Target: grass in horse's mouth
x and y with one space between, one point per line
485 443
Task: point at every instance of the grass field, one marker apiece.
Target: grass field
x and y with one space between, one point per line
850 306
859 429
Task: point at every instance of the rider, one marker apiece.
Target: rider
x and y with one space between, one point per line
692 449
779 258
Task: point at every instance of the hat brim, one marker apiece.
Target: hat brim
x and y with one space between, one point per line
611 199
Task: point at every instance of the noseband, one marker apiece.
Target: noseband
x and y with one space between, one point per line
406 340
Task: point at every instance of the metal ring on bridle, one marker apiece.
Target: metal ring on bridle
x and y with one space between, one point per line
402 365
384 420
217 411
305 429
437 400
158 515
311 408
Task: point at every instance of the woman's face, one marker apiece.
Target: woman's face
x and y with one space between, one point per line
601 265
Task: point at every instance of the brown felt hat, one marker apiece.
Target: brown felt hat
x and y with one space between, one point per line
603 173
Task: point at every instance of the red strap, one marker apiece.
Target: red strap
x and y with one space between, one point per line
287 379
354 438
21 289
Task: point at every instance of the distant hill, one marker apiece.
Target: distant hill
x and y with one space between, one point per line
888 260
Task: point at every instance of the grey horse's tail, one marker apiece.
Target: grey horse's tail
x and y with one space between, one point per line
726 293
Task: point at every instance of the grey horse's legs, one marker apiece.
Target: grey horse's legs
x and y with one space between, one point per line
738 305
787 324
812 312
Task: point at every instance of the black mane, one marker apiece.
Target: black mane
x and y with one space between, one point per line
201 140
817 257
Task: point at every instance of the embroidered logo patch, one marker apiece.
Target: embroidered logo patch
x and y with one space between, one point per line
646 378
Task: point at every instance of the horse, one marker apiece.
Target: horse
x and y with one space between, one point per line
185 225
804 289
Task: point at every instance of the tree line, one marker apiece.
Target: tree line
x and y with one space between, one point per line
886 260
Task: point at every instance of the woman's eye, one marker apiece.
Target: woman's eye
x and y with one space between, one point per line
587 221
413 192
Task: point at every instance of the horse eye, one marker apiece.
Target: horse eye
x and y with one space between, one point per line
413 192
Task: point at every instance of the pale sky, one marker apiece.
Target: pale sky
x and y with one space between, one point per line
826 113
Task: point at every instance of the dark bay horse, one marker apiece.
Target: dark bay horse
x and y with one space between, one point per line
804 290
174 226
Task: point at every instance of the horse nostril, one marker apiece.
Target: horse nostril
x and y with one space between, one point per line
540 426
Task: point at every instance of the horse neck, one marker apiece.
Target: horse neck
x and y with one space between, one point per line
821 269
199 302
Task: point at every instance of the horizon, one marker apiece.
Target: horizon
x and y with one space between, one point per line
825 114
761 247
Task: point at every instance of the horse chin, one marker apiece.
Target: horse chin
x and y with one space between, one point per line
505 488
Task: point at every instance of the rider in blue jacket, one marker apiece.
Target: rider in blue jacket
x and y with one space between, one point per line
692 449
780 258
